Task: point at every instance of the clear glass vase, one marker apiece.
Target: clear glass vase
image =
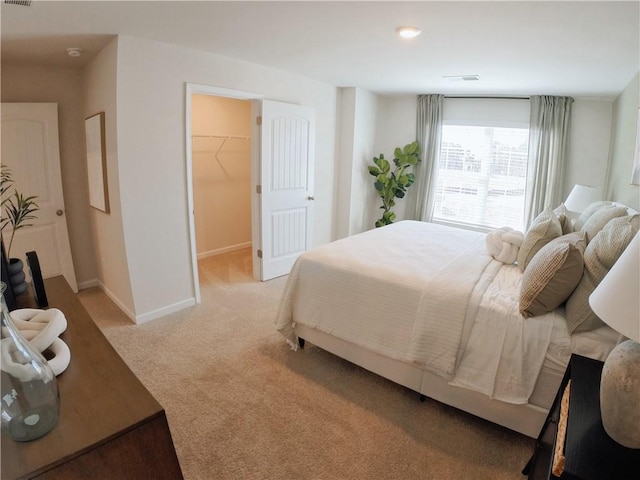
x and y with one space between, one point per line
30 399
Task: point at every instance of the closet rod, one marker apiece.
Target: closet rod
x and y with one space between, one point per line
488 97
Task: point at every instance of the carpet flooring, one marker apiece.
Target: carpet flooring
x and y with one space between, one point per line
242 405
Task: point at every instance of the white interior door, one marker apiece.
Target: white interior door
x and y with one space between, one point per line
30 147
286 181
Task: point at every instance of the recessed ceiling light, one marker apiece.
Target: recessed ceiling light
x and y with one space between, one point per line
408 32
74 51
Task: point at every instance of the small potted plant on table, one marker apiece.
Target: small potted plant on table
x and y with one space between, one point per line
17 211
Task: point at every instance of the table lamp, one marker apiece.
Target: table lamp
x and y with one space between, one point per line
616 301
581 197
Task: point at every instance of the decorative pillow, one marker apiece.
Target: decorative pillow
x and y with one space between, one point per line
544 228
552 275
565 224
599 256
599 219
560 210
590 210
563 218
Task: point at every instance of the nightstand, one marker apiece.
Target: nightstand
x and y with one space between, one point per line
590 454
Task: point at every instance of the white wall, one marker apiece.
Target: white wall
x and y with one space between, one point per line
345 135
625 120
363 153
221 173
113 262
151 158
589 141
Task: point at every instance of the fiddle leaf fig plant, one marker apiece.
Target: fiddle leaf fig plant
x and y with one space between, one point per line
392 184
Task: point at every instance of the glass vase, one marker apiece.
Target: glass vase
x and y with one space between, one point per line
30 399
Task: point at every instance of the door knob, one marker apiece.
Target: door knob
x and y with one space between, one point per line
59 212
310 197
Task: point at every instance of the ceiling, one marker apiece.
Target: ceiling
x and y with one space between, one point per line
578 48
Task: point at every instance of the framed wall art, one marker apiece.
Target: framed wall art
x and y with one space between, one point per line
97 162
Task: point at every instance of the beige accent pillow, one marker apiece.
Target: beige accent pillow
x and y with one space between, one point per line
599 219
563 218
552 275
544 228
599 256
565 224
590 210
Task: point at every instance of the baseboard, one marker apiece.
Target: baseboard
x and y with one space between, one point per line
161 312
220 251
115 300
88 284
146 317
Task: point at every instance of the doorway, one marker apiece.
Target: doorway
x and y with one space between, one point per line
282 158
221 147
221 163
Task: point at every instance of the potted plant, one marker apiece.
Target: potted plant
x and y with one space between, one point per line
393 184
17 211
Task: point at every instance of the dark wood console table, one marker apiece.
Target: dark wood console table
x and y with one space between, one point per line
110 426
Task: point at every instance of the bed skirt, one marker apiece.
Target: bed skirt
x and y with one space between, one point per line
526 419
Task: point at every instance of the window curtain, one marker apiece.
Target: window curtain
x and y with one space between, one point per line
548 134
428 134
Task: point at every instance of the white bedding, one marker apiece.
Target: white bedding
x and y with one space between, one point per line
505 351
409 272
430 296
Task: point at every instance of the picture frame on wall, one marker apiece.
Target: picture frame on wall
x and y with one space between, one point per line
97 162
635 173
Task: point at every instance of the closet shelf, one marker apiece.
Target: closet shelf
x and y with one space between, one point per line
225 138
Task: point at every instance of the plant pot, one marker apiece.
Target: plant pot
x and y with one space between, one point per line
17 278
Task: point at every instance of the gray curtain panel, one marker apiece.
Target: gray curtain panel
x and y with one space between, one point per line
428 134
548 134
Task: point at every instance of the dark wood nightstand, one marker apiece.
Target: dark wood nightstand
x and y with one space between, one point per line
590 454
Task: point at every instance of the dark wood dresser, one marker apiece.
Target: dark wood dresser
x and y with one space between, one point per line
110 426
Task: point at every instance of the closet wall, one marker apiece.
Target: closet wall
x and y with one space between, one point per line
221 155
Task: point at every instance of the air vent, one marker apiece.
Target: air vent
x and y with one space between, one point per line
462 78
22 3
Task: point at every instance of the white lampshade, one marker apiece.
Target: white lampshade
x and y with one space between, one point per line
616 300
581 197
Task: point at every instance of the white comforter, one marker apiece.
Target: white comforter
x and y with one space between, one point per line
415 292
399 283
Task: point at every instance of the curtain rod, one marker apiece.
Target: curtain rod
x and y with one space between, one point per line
490 98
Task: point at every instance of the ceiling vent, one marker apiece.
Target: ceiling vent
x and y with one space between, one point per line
22 3
462 78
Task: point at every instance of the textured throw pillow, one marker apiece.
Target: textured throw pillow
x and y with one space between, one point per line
544 228
565 224
590 210
599 256
599 219
552 275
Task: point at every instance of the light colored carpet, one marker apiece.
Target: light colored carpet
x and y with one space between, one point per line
242 405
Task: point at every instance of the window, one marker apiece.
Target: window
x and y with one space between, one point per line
482 173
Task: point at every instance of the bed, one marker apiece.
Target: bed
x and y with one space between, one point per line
427 306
